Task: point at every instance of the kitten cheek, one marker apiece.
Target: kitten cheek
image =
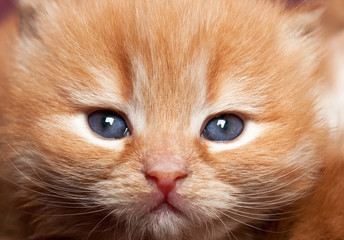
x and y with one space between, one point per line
251 131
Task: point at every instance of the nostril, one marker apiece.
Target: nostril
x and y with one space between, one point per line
165 181
151 178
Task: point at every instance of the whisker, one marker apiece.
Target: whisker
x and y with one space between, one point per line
274 188
244 223
229 232
67 214
260 218
271 204
51 190
98 224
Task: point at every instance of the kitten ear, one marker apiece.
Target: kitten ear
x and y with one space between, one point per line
300 3
306 16
27 14
312 14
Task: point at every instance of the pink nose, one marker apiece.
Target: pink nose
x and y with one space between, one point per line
165 179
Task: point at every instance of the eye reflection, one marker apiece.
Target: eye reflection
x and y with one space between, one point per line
109 120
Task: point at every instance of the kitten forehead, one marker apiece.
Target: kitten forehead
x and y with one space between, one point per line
162 95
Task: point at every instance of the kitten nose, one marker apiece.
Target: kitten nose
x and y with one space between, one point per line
166 177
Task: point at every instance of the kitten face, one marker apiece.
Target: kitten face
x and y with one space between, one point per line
167 69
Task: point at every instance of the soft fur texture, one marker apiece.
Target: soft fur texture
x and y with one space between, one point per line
168 67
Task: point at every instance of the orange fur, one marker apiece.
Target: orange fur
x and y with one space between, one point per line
168 67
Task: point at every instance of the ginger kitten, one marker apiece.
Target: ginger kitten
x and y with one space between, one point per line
162 119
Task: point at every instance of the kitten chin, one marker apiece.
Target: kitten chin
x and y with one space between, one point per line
168 120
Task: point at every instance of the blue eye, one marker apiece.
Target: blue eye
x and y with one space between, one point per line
223 128
108 124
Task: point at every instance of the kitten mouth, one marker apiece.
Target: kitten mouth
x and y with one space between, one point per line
165 207
166 204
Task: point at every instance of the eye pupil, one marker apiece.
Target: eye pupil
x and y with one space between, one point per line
223 128
107 124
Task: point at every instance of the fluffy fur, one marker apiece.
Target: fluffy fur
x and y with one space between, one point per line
168 67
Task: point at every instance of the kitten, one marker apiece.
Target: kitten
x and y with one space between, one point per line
167 120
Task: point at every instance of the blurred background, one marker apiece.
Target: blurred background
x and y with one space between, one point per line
6 6
8 29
